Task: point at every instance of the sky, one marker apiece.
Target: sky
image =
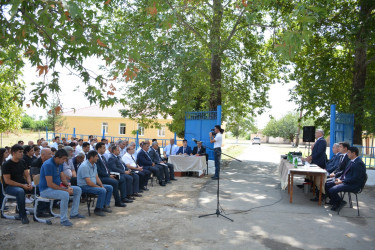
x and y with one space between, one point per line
72 96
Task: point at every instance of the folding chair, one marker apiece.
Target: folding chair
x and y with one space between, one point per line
90 200
356 197
38 199
5 200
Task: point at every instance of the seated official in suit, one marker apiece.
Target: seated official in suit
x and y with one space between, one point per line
132 181
155 157
199 149
89 181
131 163
343 162
118 184
334 162
351 179
185 149
144 160
318 155
170 149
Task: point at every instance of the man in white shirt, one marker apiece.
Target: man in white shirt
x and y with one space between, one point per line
170 149
79 146
130 162
217 141
56 143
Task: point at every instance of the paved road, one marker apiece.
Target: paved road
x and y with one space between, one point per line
271 222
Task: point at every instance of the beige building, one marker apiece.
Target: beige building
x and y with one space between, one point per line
93 120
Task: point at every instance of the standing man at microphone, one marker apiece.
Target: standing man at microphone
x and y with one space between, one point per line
217 140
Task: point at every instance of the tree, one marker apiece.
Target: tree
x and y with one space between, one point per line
337 65
55 121
11 96
241 125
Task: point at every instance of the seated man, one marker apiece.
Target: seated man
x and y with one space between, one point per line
170 149
88 180
343 162
118 184
86 149
333 163
36 165
17 181
51 175
199 149
132 181
185 149
155 157
131 163
77 161
350 181
68 167
144 160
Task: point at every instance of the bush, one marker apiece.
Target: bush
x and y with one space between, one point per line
248 137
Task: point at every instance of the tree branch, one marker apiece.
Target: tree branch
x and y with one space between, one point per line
233 30
191 28
206 1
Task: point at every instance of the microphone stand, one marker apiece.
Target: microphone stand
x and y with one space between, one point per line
218 212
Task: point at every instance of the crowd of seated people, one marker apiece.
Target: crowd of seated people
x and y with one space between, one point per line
66 169
346 172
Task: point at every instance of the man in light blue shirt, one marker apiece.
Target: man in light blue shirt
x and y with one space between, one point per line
170 149
88 180
51 176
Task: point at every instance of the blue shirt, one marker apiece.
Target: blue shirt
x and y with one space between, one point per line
49 168
86 170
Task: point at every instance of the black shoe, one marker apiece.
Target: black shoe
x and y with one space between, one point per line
162 183
140 191
106 209
314 199
137 195
145 189
214 178
99 212
120 204
300 186
25 220
169 182
341 205
130 198
126 200
174 179
334 207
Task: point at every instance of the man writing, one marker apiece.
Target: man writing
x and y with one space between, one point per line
51 175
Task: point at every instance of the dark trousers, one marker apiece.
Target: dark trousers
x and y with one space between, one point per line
144 176
171 171
135 186
155 171
73 181
334 190
129 183
117 185
217 157
19 193
164 170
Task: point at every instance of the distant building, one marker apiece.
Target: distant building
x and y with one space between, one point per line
93 120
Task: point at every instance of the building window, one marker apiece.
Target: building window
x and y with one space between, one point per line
161 131
122 128
104 127
141 130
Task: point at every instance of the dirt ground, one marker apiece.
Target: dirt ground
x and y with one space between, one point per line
143 224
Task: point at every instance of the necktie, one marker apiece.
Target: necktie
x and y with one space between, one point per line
104 163
199 150
342 158
183 150
170 151
148 155
346 170
158 155
119 158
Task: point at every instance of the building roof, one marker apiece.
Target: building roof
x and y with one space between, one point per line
96 111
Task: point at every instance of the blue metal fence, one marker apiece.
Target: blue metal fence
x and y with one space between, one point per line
198 126
368 155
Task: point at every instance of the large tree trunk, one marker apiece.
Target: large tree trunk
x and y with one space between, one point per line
359 72
215 47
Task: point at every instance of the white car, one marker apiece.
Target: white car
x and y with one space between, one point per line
256 140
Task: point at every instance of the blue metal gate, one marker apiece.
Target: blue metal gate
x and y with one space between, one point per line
198 126
342 128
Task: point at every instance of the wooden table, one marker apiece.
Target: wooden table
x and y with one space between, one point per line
309 171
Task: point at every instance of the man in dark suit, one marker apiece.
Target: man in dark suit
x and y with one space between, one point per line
351 179
106 178
185 149
115 165
318 155
156 159
199 149
334 162
144 160
343 162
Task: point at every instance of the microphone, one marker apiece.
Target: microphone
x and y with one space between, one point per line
196 141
